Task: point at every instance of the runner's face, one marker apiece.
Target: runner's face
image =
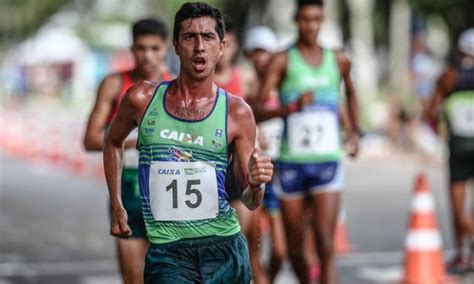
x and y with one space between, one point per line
198 47
260 59
309 19
149 52
229 50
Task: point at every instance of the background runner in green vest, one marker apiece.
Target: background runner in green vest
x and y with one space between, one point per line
188 128
308 77
149 51
455 91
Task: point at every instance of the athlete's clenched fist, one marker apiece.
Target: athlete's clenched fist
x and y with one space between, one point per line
260 168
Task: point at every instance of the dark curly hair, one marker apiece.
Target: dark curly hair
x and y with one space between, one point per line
149 26
197 10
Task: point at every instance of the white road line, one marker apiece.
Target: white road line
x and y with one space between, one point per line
381 275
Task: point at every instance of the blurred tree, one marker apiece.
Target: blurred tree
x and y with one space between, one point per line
458 14
18 19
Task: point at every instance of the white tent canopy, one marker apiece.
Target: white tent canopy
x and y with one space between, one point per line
51 45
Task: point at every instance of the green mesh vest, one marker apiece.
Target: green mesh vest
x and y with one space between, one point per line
182 168
323 81
459 113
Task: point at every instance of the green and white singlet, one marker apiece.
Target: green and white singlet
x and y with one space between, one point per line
459 113
182 168
311 135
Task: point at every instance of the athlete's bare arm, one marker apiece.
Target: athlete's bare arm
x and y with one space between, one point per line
344 64
251 166
444 86
106 95
129 115
274 76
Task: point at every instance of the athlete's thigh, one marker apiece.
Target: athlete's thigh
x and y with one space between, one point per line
132 253
293 213
278 235
244 214
325 211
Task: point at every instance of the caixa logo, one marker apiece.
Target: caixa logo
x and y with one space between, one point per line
182 137
168 172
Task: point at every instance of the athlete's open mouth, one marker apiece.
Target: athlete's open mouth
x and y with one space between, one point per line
199 63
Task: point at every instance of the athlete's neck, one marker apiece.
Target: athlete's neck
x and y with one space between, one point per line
155 75
192 89
312 46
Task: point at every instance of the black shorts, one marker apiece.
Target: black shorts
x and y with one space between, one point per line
461 167
231 185
209 260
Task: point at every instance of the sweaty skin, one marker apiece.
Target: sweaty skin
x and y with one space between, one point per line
191 96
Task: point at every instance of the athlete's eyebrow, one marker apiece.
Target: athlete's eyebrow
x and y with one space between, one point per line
205 33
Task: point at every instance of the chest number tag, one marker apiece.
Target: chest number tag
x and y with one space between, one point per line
462 119
182 191
313 132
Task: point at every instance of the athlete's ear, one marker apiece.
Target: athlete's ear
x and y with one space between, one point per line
295 16
221 47
175 44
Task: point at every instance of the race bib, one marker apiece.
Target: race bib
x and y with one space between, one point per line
313 132
130 155
462 119
271 130
182 191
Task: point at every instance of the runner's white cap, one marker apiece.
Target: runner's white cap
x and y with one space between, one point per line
260 37
466 42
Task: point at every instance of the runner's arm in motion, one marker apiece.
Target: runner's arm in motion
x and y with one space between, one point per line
344 64
106 95
443 87
273 78
129 114
252 169
275 75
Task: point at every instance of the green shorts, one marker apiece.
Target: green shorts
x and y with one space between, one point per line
132 202
202 260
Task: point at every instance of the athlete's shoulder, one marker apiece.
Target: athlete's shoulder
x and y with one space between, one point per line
343 60
278 62
238 108
448 80
281 56
140 94
113 80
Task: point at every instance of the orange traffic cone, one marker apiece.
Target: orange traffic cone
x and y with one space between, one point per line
423 245
341 241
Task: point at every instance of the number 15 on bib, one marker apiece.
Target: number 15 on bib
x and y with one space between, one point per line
181 191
